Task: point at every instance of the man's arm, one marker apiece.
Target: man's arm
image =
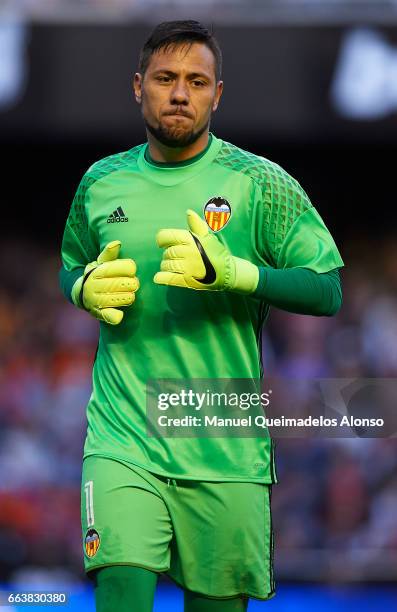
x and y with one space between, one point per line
100 283
79 246
196 259
305 261
300 290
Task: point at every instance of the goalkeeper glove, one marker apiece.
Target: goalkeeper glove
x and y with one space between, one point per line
196 259
107 284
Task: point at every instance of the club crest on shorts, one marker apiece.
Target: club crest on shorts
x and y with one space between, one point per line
217 213
91 542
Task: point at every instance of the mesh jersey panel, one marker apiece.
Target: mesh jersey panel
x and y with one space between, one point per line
284 200
77 220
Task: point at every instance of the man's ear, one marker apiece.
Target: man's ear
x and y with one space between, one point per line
219 90
138 78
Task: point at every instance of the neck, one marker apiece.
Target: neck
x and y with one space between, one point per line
161 153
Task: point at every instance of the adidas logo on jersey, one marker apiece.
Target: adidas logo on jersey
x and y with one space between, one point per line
117 216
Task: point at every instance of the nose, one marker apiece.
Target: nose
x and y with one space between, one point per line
179 93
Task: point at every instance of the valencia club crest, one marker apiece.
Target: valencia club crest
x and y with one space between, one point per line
91 542
217 213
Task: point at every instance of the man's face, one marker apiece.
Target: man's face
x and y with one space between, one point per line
178 93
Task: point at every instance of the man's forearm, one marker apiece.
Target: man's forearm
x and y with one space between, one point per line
297 290
67 279
300 290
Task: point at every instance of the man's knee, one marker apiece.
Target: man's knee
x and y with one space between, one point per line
194 602
124 588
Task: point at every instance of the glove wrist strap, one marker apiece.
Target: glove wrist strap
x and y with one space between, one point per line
246 276
81 294
76 292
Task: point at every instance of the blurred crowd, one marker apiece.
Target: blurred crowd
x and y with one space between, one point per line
43 8
51 8
335 507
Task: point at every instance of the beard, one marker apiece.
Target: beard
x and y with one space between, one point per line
173 137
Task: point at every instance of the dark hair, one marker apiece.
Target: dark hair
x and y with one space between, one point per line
171 33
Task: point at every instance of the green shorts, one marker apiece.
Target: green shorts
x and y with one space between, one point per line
213 538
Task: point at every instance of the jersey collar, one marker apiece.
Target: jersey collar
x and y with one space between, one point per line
171 174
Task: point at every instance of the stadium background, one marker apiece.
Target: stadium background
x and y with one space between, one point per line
310 84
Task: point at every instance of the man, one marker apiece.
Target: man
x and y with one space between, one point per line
243 236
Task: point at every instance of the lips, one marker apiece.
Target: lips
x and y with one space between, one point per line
178 115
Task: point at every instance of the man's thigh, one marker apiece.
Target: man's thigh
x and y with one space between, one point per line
223 538
124 519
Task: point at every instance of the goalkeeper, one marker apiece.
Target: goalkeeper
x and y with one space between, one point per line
216 235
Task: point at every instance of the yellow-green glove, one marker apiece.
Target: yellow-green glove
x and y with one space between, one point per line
196 259
107 284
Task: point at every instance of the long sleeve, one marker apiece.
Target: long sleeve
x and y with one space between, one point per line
67 279
302 260
300 290
79 245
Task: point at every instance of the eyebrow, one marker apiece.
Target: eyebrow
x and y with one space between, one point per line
191 75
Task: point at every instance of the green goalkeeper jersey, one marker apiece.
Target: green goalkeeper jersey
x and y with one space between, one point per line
261 214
